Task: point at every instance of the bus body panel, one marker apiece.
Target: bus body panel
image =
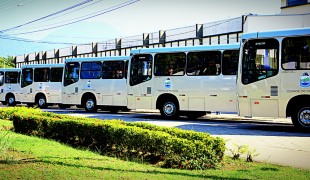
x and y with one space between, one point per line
107 92
193 93
271 97
50 90
7 87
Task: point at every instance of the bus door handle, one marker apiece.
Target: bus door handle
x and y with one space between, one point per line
130 94
213 95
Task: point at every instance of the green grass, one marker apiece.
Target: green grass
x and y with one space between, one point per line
25 157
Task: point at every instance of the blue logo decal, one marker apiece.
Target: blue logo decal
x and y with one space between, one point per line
168 83
305 80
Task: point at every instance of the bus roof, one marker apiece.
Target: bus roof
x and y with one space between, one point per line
10 69
277 33
42 65
107 58
186 48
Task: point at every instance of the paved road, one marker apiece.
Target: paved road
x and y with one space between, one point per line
275 140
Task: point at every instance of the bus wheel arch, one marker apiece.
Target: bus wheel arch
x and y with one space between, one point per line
40 100
168 106
298 109
10 99
89 102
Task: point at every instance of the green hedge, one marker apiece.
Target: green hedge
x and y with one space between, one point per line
168 147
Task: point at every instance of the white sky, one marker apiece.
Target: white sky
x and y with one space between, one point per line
144 16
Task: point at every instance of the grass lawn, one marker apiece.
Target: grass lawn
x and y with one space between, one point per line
25 157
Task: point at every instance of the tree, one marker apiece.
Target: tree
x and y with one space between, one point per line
7 62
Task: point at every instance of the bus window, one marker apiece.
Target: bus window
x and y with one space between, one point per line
11 77
91 70
41 74
296 53
207 63
140 69
230 62
259 60
126 68
71 73
56 74
27 77
169 64
1 78
113 70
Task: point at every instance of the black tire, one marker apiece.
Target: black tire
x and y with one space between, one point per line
90 105
301 117
195 115
11 100
169 109
41 102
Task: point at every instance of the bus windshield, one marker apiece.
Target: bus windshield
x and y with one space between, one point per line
141 69
71 73
27 77
259 60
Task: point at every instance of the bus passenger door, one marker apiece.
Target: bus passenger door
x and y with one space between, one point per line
258 84
27 92
70 89
139 87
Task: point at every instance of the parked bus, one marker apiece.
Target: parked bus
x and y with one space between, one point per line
187 81
274 80
98 82
9 86
41 84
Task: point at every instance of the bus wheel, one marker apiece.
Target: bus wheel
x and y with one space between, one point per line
41 102
301 117
169 109
11 101
90 105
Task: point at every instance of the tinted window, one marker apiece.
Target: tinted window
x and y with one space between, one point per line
259 60
91 70
27 77
230 62
71 75
204 63
113 70
140 69
41 74
12 77
1 78
296 53
169 64
56 74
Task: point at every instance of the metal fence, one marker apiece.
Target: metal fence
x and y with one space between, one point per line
219 32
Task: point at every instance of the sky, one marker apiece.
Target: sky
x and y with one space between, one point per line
53 21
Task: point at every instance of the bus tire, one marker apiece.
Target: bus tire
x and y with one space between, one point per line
301 117
169 109
90 105
11 100
41 102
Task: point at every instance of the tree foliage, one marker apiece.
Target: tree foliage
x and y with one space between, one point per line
7 62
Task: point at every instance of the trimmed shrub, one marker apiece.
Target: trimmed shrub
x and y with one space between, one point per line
167 147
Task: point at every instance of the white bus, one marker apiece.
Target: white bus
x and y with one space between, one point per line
274 80
9 86
41 84
98 82
187 81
